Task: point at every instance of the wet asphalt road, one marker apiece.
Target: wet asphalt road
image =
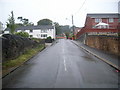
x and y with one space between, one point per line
63 65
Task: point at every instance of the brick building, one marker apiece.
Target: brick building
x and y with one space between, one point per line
101 24
112 19
104 38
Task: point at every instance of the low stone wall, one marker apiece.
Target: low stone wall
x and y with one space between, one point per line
13 46
109 44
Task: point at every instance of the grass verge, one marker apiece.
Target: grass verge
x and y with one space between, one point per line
12 64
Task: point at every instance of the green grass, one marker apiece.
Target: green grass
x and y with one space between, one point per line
7 66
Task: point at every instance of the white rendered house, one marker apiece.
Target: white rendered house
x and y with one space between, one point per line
40 31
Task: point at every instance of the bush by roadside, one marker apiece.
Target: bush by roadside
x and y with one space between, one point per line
23 34
14 45
49 40
40 41
17 49
10 65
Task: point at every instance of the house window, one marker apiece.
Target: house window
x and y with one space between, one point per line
43 35
43 31
118 20
38 35
97 20
31 30
111 20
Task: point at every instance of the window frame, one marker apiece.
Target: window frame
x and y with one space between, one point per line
119 20
44 35
97 20
44 31
111 20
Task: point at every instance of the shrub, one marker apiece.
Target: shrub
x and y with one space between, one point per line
48 40
49 37
23 34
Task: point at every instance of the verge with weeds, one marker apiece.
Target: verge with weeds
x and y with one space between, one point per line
12 64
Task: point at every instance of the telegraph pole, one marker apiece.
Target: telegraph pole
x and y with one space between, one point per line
73 25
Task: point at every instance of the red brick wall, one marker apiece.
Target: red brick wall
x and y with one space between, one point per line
114 24
109 44
88 22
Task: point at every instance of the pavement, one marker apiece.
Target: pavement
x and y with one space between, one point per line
110 59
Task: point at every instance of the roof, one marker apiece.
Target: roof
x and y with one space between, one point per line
103 15
33 27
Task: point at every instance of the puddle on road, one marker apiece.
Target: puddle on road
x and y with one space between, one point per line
88 58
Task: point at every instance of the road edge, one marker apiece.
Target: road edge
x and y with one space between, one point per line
15 68
106 61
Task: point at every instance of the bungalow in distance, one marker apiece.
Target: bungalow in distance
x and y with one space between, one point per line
40 31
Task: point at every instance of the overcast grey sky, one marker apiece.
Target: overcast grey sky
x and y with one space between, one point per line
56 10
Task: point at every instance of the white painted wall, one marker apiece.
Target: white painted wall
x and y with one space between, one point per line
37 33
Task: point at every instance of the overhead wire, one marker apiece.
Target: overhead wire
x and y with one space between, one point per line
80 7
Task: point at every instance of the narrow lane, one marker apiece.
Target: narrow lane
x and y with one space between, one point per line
63 65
